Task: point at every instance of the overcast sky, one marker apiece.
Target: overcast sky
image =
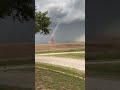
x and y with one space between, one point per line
71 16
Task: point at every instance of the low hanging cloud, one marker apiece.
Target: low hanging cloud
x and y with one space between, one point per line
64 11
71 16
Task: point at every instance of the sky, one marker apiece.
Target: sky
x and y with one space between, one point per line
71 16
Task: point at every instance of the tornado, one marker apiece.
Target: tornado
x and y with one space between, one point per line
52 38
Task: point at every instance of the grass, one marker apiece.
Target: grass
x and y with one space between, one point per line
50 80
70 55
62 50
63 69
110 71
4 87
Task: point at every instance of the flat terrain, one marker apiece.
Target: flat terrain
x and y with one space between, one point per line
52 77
59 47
73 55
65 62
60 66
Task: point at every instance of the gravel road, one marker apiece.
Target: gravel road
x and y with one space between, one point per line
72 63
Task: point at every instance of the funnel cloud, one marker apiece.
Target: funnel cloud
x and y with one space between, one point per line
67 17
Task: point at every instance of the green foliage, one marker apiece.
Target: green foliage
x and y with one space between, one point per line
23 10
42 22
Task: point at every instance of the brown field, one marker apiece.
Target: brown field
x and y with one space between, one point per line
27 50
63 46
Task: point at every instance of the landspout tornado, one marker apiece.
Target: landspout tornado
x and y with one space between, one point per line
52 38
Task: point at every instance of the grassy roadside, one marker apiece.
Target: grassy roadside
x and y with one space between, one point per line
108 71
70 55
63 69
61 50
51 80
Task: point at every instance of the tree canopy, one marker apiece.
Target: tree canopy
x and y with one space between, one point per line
42 22
23 10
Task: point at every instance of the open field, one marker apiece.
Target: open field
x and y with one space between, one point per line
65 62
70 55
47 48
51 77
57 67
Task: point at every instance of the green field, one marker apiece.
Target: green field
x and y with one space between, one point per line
61 50
70 55
50 79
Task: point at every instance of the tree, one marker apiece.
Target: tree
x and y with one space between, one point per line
42 22
23 10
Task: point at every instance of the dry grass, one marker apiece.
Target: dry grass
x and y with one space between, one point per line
46 79
63 46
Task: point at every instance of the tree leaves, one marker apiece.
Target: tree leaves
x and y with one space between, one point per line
23 10
42 22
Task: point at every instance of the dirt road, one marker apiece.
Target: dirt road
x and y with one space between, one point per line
72 63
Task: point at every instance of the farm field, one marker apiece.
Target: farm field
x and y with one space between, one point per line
58 78
58 66
64 47
69 55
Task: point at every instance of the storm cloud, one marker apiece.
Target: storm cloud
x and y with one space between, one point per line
71 15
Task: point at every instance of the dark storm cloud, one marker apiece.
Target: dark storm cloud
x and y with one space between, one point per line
70 14
68 10
74 32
